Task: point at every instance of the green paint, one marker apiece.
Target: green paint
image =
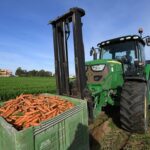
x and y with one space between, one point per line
110 84
147 74
147 71
102 91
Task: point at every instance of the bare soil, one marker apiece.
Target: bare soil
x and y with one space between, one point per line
106 134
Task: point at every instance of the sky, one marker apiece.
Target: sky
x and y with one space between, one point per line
26 39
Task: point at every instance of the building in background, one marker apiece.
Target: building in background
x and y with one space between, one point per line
5 73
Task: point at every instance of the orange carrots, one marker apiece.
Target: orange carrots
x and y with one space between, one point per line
28 110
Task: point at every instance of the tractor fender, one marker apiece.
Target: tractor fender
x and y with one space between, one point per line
147 71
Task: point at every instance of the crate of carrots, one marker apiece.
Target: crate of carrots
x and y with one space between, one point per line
29 110
34 121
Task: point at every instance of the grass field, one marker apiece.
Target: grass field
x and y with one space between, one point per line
13 86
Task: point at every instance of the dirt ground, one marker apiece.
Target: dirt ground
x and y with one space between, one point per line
106 134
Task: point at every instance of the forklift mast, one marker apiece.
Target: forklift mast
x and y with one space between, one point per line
61 33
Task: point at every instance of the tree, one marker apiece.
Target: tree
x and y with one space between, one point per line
33 73
20 72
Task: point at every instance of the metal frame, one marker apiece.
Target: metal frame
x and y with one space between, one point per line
61 52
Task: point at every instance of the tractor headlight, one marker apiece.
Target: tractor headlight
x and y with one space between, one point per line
98 67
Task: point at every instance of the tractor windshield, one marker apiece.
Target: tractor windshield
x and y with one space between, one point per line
119 51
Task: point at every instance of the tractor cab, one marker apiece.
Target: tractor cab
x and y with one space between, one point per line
129 50
126 50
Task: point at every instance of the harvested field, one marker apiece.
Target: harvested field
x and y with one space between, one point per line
106 134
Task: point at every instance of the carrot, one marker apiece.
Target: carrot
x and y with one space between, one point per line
53 106
35 120
41 109
14 117
31 112
50 112
28 102
35 124
45 108
20 120
2 110
27 125
8 113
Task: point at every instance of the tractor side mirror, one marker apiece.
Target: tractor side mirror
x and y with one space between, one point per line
94 53
148 41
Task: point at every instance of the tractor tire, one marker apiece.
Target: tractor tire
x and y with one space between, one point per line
134 107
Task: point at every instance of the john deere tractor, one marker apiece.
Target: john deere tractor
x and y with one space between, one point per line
120 76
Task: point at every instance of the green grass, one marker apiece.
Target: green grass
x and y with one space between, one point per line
14 86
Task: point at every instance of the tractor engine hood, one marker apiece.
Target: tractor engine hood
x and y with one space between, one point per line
102 61
103 74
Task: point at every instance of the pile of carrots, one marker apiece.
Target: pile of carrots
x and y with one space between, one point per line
28 110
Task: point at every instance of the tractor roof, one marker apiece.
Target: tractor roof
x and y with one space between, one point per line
122 39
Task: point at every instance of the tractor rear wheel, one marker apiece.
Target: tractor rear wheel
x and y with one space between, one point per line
134 107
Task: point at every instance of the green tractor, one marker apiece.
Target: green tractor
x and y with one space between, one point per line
119 77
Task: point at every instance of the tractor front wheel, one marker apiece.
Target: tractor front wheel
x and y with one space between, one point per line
134 107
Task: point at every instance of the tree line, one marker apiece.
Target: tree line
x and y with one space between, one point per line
33 73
